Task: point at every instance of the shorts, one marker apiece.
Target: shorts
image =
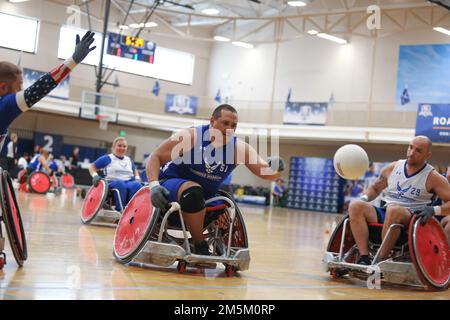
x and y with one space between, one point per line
381 214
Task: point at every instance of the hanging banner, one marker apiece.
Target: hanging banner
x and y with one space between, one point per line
30 76
423 76
314 113
433 121
181 104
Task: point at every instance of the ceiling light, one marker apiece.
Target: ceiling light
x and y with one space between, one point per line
313 32
296 3
17 1
243 44
442 30
220 38
210 11
332 38
134 25
151 24
123 27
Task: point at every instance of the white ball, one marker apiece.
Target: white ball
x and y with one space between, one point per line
350 161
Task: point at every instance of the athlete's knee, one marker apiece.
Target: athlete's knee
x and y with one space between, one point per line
397 214
192 199
357 208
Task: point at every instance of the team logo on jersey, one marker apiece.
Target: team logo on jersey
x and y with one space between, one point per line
210 168
401 191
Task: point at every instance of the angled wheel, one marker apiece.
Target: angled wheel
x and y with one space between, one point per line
93 201
335 240
67 181
39 182
135 226
13 220
22 176
429 249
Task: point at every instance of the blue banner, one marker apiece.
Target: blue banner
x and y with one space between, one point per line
51 142
30 76
305 113
433 121
181 104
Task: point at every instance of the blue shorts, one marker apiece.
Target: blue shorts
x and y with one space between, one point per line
381 213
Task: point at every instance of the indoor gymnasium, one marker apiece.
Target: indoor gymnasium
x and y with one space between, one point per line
224 150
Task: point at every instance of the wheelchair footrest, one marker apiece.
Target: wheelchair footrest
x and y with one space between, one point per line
402 273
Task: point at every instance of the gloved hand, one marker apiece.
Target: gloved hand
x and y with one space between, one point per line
82 46
277 162
95 180
160 197
426 213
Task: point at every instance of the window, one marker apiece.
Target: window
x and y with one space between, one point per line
19 33
170 65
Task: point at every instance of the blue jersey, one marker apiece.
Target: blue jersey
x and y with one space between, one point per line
9 110
34 164
204 164
53 165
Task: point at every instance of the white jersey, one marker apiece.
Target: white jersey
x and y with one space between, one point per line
119 169
408 191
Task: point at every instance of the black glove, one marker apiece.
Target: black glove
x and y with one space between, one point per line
277 162
425 214
82 47
95 180
160 197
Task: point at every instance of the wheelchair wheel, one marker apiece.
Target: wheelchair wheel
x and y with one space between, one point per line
12 220
135 226
93 202
67 181
239 238
335 240
429 249
39 182
22 176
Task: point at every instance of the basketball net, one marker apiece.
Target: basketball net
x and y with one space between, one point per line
103 120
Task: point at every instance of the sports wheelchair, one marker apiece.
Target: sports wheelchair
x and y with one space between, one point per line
99 206
147 236
10 215
41 182
420 257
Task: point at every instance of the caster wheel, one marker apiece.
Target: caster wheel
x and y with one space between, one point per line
181 267
229 270
337 274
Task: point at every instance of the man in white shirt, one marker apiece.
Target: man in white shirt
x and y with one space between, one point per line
11 155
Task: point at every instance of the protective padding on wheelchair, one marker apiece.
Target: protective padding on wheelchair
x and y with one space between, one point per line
12 219
21 176
335 240
429 249
67 181
134 227
239 237
39 182
93 201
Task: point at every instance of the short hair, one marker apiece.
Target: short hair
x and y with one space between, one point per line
218 110
8 71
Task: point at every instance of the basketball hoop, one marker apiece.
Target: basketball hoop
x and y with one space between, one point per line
103 119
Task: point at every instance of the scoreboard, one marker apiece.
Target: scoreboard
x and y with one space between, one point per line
130 47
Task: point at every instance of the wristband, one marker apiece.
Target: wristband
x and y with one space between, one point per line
437 210
153 184
364 198
94 174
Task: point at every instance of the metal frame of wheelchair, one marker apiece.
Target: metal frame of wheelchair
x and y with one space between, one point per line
155 242
420 258
10 215
93 211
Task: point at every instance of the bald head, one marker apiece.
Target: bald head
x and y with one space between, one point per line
419 151
423 141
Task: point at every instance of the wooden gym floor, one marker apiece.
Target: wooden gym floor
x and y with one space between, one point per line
68 260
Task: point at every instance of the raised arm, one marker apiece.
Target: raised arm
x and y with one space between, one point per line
266 170
380 184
